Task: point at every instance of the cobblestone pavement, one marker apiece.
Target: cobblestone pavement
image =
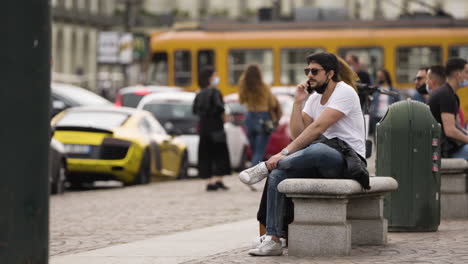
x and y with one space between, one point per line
448 245
90 219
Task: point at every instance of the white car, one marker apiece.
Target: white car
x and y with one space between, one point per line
174 112
66 95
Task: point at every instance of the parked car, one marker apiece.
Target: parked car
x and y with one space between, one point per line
118 143
281 137
57 167
174 110
65 96
131 96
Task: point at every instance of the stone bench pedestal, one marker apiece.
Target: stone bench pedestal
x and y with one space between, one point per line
330 215
453 189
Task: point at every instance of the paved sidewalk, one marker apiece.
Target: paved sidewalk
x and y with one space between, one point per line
229 243
448 245
90 219
175 248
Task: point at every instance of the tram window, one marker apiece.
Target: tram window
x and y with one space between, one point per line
292 64
410 59
157 72
182 68
205 58
458 51
371 58
239 59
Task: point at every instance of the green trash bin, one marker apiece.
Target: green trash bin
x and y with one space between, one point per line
408 149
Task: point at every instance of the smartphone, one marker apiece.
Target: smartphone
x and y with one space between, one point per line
309 88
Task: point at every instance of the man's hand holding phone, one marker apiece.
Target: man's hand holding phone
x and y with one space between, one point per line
303 91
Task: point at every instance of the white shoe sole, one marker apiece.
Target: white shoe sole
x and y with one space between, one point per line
257 252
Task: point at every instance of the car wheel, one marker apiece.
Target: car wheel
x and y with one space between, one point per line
58 185
75 184
183 171
243 161
144 173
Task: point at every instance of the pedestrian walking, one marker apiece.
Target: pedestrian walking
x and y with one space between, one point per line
213 155
445 104
328 133
264 110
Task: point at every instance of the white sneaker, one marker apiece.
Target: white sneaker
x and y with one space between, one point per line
258 240
254 174
268 247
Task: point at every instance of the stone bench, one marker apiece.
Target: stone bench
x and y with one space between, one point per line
453 189
332 214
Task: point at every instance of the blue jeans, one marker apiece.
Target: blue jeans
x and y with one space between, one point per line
258 138
461 153
315 161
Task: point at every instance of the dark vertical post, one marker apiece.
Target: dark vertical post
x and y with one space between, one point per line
24 131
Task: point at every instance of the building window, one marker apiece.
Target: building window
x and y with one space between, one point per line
371 58
239 59
182 68
157 73
293 62
205 58
410 59
459 51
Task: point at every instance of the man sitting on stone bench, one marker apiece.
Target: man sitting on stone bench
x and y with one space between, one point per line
329 140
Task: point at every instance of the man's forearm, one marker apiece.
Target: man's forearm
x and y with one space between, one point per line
296 124
310 133
457 134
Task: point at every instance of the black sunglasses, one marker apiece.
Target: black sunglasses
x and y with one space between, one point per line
314 71
418 78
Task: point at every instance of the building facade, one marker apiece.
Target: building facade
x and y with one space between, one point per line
75 28
354 9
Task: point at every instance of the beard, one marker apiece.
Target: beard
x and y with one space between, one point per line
320 88
422 89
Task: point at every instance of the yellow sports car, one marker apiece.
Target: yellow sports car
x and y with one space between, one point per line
113 143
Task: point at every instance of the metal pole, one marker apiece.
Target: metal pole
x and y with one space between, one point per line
25 98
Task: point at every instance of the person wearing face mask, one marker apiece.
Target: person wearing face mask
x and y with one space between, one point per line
381 102
328 141
213 155
445 104
435 78
422 91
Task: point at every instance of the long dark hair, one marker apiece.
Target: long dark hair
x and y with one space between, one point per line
204 76
387 77
252 89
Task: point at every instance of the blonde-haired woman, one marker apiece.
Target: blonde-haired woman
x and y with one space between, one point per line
260 102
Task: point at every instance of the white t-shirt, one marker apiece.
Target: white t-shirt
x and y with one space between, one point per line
349 128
